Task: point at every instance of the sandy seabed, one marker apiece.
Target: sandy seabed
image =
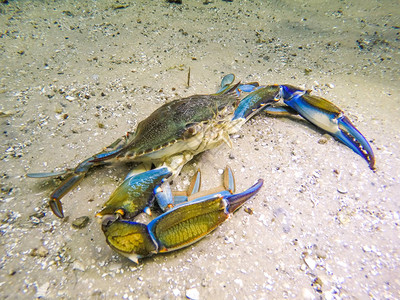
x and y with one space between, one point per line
76 75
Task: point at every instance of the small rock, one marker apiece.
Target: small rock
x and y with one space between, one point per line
75 129
77 265
34 220
40 251
303 267
342 189
324 139
116 267
249 210
39 214
322 281
192 294
80 222
59 109
204 282
229 240
330 85
6 113
120 6
97 294
41 290
366 249
310 262
12 272
239 282
176 292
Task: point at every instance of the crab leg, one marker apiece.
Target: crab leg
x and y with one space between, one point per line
256 101
193 192
259 99
74 176
69 183
175 229
328 117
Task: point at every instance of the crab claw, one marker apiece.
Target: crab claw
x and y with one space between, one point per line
135 194
328 117
351 137
130 239
175 229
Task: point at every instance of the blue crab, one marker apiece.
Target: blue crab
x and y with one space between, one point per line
177 131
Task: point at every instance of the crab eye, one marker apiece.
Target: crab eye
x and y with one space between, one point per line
191 130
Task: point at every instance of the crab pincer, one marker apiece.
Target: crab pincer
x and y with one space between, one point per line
175 229
328 117
136 194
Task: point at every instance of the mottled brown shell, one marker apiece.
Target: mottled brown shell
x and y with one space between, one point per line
175 121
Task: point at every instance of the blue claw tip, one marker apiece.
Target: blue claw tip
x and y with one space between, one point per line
352 138
237 200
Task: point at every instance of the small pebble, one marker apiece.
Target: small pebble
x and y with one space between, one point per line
330 85
366 249
6 113
342 189
239 282
229 240
34 220
80 222
192 294
41 290
322 281
77 265
324 139
310 262
59 109
248 210
40 251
